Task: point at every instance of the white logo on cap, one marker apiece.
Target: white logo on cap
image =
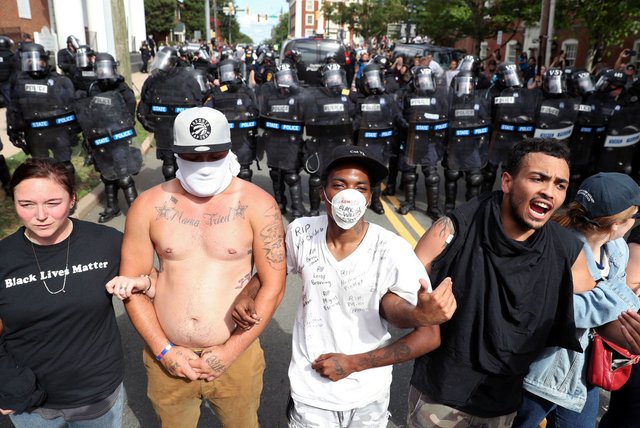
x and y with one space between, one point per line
200 128
585 194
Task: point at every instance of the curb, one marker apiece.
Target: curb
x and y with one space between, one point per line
93 198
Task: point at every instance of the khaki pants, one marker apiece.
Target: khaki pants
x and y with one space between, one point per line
235 395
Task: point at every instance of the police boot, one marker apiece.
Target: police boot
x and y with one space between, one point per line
314 195
432 184
489 177
409 178
390 188
128 189
376 203
5 175
245 173
111 195
169 167
295 191
450 190
278 189
474 183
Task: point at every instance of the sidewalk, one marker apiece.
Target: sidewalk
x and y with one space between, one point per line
9 149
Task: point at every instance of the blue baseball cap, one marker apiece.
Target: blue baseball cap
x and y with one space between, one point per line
608 193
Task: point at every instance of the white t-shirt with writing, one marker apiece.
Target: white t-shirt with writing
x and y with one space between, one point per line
339 309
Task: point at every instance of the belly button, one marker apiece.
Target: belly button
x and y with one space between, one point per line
168 251
231 251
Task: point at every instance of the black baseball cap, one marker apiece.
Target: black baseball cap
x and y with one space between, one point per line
608 193
376 170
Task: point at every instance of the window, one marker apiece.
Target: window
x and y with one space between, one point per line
309 5
570 48
309 18
483 50
24 9
510 54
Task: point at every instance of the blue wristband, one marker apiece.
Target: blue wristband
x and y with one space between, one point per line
164 351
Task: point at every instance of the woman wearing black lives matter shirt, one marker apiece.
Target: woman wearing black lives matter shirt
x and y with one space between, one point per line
61 360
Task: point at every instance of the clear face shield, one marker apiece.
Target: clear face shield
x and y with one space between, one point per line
602 85
286 79
106 70
463 85
373 80
511 78
227 73
554 84
203 55
335 79
584 84
424 82
82 58
164 61
32 61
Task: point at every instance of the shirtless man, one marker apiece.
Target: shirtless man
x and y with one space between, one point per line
208 228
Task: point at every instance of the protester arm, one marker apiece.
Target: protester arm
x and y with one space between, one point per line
434 241
582 279
633 268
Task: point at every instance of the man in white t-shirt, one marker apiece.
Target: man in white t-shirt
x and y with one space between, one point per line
357 276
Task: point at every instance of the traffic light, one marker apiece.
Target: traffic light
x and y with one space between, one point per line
247 10
258 17
266 17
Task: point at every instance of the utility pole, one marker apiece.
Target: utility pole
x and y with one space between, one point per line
207 21
215 22
544 33
120 38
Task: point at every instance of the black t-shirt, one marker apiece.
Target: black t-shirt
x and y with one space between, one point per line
634 236
71 339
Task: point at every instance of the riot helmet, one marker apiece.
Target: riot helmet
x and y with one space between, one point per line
382 61
185 54
226 53
286 78
73 41
470 64
507 75
372 80
331 58
106 67
84 57
334 77
292 56
610 80
229 72
166 59
33 60
202 55
554 82
464 83
5 42
580 83
422 79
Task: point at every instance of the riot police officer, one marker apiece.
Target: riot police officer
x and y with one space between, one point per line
623 132
84 73
40 116
282 119
377 116
468 139
7 68
473 66
168 91
329 124
425 110
66 58
107 119
513 111
238 103
556 113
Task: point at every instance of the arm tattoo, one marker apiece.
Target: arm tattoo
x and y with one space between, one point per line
338 368
395 353
272 236
445 228
214 363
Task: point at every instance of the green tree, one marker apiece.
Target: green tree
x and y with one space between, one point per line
280 31
445 21
607 23
160 17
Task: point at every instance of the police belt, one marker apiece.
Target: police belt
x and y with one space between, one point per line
50 122
559 133
471 132
112 137
621 140
281 125
169 110
378 133
243 124
517 128
337 130
592 129
430 127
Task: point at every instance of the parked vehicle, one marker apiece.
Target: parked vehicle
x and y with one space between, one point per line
313 52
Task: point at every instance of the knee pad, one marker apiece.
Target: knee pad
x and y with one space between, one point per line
314 181
291 178
123 183
431 175
474 178
409 176
451 175
245 173
168 168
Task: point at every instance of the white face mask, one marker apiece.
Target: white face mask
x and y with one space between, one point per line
204 179
347 207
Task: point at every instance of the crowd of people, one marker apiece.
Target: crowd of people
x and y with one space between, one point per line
499 296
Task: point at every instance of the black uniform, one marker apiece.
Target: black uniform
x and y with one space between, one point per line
282 119
329 124
66 60
41 112
623 134
164 95
7 69
239 105
426 121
